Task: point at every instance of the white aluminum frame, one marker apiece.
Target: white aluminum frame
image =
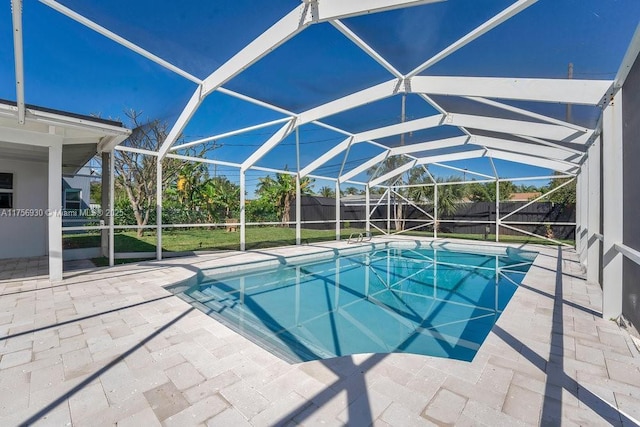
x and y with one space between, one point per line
612 128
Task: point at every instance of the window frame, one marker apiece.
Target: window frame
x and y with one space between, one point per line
65 201
11 191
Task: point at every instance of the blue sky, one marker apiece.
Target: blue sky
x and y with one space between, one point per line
69 67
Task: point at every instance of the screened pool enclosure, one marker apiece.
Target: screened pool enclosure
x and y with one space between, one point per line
363 94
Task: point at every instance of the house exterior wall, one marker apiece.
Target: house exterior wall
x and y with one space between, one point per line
81 181
23 236
631 193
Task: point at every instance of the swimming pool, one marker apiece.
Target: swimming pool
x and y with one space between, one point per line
431 301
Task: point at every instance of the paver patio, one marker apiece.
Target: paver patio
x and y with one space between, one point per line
112 346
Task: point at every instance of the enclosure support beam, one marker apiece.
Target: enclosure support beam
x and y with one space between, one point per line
529 159
243 221
552 153
274 140
229 134
496 176
348 102
398 171
112 196
337 210
298 211
585 212
612 208
572 91
188 112
497 210
582 206
298 191
435 210
516 127
578 241
366 165
388 210
105 201
367 202
593 242
527 113
55 208
159 208
16 9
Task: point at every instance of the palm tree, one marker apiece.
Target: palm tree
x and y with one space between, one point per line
420 194
351 191
449 196
281 191
327 192
414 175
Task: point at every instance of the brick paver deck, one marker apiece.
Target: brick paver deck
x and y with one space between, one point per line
112 346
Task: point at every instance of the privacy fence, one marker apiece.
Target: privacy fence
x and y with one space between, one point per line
548 219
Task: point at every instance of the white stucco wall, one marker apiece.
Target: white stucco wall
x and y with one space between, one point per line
25 236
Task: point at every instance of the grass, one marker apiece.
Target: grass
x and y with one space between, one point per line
184 240
198 239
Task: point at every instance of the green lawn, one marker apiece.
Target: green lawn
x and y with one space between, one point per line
198 239
180 240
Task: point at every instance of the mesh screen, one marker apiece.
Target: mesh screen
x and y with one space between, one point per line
543 39
71 68
198 36
316 66
408 37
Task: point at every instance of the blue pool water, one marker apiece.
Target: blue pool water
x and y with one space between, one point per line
426 301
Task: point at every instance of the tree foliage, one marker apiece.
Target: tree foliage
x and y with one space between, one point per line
136 173
327 192
281 191
221 197
413 176
565 195
352 191
448 195
486 192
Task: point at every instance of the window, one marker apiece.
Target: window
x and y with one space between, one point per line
6 190
72 199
